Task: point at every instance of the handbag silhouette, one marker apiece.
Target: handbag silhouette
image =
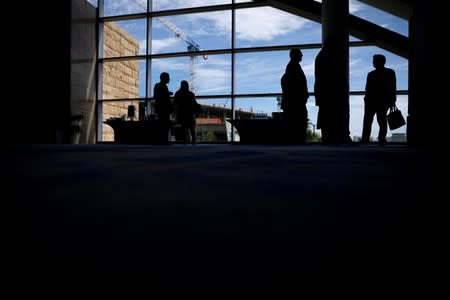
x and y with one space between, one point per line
395 118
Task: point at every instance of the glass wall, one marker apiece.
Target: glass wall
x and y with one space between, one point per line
268 26
379 17
232 56
196 31
177 4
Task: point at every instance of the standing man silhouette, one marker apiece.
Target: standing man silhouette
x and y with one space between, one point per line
294 97
161 94
381 93
331 90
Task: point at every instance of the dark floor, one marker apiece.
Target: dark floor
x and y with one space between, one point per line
218 215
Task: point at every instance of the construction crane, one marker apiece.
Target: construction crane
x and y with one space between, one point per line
191 45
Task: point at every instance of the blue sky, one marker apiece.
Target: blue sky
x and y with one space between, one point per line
255 72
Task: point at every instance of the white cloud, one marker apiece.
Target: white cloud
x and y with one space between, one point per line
308 69
263 24
172 4
212 80
113 7
266 23
399 66
359 67
355 62
260 24
142 46
163 64
213 76
221 24
355 6
257 24
159 45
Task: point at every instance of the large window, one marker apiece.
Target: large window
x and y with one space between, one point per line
233 57
267 26
197 31
379 17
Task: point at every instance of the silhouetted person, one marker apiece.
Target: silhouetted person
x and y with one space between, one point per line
294 97
332 94
186 108
381 92
161 94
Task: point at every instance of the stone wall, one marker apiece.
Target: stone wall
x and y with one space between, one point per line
120 79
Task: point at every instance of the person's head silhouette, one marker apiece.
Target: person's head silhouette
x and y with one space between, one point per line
165 78
378 61
184 86
296 54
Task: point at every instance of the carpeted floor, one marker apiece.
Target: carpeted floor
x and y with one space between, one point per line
217 215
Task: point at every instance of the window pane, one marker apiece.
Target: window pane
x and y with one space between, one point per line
260 72
258 107
267 26
268 108
175 4
211 76
94 3
123 79
379 17
211 122
124 38
192 32
254 108
357 115
361 64
124 7
312 114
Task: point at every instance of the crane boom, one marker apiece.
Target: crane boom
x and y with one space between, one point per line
193 46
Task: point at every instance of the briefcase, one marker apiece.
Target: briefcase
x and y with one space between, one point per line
395 118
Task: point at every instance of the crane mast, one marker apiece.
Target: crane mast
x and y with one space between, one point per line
191 47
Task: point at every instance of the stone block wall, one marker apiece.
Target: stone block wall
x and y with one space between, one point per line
120 79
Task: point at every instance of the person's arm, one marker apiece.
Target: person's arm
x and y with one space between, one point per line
157 92
156 98
176 105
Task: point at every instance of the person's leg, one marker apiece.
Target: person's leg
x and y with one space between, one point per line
187 138
326 128
367 124
193 137
346 138
382 123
